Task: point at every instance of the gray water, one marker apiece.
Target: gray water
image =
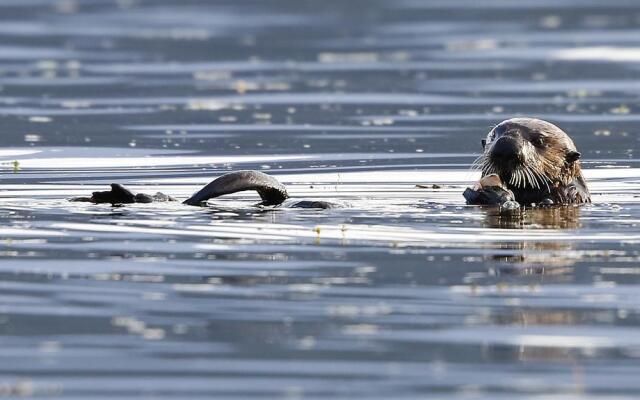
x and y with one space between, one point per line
403 293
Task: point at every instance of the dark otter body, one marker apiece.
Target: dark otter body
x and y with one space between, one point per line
270 190
536 163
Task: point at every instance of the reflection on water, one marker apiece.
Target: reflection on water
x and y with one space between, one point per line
560 217
406 293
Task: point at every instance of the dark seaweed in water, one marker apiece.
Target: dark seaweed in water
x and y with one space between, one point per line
407 293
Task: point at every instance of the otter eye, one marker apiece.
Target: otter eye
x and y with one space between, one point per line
483 142
538 141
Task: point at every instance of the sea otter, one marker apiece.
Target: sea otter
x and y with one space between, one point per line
525 160
529 161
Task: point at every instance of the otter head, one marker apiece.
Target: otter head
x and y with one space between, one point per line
529 153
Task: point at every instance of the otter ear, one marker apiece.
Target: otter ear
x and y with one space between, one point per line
572 156
483 142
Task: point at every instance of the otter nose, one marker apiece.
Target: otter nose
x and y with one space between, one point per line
505 148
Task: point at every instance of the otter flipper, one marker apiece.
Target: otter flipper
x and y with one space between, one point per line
121 195
270 190
117 195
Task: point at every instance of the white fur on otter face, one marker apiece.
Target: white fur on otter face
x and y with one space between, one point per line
547 156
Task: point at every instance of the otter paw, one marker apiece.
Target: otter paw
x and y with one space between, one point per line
488 191
493 195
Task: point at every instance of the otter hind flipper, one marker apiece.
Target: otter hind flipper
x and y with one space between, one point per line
270 190
117 195
121 195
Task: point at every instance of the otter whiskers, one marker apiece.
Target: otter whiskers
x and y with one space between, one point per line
522 176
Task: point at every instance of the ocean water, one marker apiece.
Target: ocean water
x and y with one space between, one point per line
403 293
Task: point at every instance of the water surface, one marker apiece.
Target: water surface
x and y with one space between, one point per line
405 293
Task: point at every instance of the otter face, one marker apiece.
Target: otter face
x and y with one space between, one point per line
529 153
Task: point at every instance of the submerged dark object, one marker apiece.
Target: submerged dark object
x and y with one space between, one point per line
271 191
535 163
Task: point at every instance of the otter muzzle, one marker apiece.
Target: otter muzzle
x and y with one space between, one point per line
505 149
